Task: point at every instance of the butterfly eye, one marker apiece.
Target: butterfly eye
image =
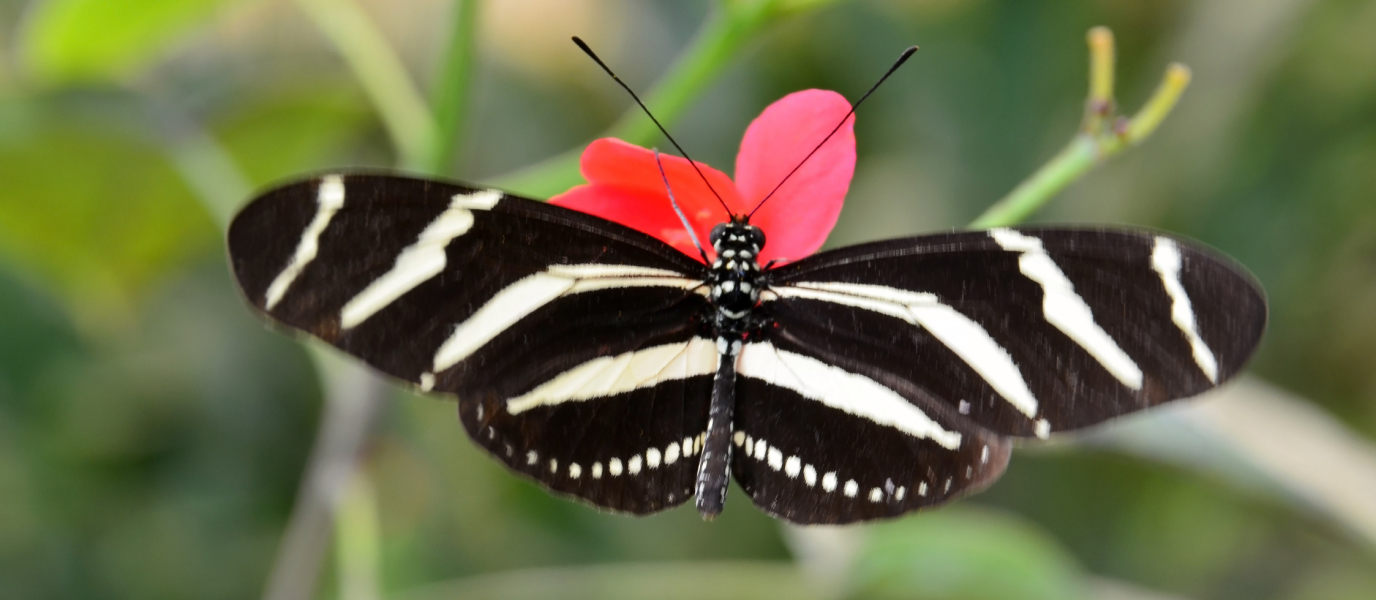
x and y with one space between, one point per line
716 234
757 237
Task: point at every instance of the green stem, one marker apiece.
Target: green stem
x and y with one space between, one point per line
1100 138
204 164
4 67
420 145
716 44
1077 158
1100 102
729 28
210 172
357 541
450 96
1162 101
381 73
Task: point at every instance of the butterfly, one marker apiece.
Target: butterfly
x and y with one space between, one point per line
853 384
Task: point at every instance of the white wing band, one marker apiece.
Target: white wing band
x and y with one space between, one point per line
524 297
956 331
329 199
1165 260
845 391
420 261
1065 309
611 375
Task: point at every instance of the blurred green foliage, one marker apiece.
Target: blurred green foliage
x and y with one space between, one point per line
101 251
74 40
153 433
954 554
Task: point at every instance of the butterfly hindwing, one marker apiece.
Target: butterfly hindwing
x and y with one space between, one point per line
619 428
595 328
817 443
632 450
1029 331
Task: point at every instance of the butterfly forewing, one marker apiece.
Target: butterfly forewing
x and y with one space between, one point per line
1029 331
493 298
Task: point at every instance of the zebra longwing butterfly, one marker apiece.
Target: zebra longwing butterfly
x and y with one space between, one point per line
853 384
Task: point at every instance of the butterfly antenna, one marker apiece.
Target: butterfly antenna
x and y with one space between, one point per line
623 85
898 63
679 211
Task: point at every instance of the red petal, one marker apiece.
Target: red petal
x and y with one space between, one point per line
800 215
625 186
640 211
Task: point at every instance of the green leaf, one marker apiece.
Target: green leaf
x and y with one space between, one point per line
294 131
97 213
83 40
740 580
966 554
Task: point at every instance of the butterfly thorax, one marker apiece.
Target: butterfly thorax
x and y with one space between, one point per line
734 281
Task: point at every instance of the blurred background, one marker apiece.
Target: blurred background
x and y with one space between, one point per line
154 435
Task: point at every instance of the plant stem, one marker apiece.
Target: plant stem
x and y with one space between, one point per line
729 28
1068 165
450 96
334 492
381 73
1162 101
357 540
354 402
203 163
1101 136
716 43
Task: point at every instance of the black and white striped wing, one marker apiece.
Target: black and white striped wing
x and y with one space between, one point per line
819 443
892 369
575 345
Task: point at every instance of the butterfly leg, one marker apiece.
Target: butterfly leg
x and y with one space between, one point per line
714 468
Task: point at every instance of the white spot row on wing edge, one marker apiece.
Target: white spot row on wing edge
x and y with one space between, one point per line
653 458
793 466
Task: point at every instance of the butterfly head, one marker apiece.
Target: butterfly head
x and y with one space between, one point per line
737 235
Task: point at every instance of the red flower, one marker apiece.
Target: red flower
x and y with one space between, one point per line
625 184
